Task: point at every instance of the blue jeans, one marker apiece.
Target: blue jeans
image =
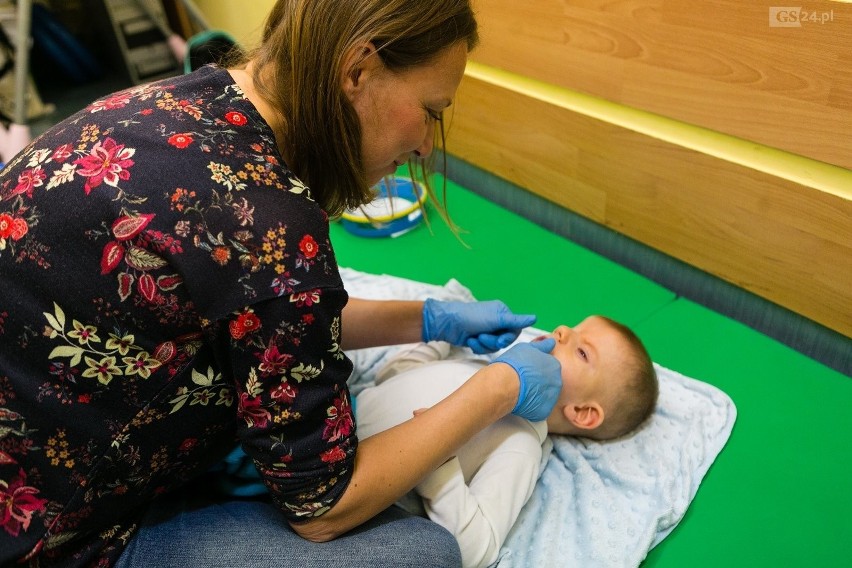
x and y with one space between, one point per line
253 533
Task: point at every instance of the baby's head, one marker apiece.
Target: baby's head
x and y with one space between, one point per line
609 385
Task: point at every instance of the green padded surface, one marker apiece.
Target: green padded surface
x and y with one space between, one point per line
779 493
510 258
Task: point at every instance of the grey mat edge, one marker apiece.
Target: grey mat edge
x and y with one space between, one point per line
794 330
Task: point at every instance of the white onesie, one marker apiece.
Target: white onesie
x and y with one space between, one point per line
478 494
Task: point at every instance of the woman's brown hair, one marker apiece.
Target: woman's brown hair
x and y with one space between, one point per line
299 66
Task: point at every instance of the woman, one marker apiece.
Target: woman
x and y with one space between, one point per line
168 288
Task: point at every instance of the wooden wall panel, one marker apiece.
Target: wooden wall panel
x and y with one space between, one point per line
786 242
242 19
716 64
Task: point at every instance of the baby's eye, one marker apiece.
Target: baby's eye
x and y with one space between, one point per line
434 115
582 353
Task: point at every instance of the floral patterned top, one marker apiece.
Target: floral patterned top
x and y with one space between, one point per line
167 286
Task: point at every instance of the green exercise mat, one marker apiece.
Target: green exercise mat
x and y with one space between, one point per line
509 258
779 493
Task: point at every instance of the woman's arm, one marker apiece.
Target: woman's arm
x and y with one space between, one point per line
391 463
370 323
484 327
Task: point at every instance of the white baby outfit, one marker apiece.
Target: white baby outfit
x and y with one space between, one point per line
478 494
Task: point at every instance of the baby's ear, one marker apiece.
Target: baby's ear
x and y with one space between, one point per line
586 416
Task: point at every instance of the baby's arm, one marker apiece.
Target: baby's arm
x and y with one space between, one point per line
481 514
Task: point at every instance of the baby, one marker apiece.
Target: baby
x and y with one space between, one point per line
609 388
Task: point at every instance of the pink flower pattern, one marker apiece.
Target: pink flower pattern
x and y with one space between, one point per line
18 502
161 316
107 162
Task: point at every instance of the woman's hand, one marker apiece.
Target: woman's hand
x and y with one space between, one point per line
485 327
541 378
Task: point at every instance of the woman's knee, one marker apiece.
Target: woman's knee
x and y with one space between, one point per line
440 547
396 538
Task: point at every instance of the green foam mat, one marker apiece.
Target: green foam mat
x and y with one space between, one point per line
779 492
507 258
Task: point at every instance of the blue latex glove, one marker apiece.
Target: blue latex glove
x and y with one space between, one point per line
485 327
541 377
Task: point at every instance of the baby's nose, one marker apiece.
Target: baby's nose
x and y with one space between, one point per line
561 333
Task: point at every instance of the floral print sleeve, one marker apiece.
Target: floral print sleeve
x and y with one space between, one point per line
167 288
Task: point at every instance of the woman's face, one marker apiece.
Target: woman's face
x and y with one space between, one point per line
399 110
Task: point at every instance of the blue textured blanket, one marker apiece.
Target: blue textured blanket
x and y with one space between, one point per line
596 504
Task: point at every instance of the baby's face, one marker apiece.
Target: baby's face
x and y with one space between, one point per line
589 352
